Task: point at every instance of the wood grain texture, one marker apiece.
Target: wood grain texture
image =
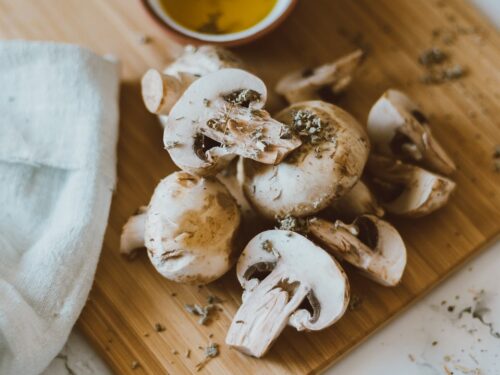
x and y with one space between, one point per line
128 298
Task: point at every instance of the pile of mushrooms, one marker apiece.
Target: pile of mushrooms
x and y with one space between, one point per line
308 172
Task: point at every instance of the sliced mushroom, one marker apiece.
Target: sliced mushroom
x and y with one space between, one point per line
408 190
161 90
282 271
327 165
189 229
219 117
309 84
358 201
398 128
369 243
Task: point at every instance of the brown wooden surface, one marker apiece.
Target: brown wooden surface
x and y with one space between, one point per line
128 298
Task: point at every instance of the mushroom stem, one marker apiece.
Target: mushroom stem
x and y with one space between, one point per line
265 313
161 91
132 237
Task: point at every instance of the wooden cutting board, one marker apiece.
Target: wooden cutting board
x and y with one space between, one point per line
128 298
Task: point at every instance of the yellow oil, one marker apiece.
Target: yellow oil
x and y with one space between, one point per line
218 16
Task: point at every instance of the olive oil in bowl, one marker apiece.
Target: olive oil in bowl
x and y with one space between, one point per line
217 17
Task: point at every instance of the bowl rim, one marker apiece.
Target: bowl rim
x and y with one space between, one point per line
183 38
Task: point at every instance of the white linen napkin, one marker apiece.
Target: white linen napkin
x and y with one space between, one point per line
58 133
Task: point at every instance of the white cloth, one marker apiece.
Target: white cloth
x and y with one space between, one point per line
58 133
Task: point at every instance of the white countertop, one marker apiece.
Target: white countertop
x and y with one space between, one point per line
431 338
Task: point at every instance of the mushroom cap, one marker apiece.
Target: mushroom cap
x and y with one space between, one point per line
358 201
397 128
190 227
304 85
314 175
370 244
203 60
413 191
297 259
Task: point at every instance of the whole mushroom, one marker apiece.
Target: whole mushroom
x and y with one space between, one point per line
370 244
408 190
188 229
219 117
161 90
309 84
398 129
279 270
327 165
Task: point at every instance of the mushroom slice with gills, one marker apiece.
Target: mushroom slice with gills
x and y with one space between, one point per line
280 271
407 190
161 90
188 229
219 117
397 128
327 165
370 244
309 84
358 201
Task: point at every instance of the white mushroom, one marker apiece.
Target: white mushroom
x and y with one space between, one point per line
219 117
370 244
280 272
309 84
358 201
161 90
232 180
326 166
132 237
408 190
397 128
189 229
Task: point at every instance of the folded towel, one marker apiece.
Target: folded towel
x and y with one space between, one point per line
58 133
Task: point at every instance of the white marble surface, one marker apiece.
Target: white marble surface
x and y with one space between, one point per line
426 340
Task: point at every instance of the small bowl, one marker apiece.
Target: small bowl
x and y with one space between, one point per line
277 15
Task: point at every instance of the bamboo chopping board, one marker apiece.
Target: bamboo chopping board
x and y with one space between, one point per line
128 298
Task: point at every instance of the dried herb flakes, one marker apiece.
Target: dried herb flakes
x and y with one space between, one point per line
202 311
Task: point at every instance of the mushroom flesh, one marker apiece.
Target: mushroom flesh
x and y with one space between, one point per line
188 229
327 165
161 90
279 271
328 79
219 117
370 244
397 128
358 201
407 190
